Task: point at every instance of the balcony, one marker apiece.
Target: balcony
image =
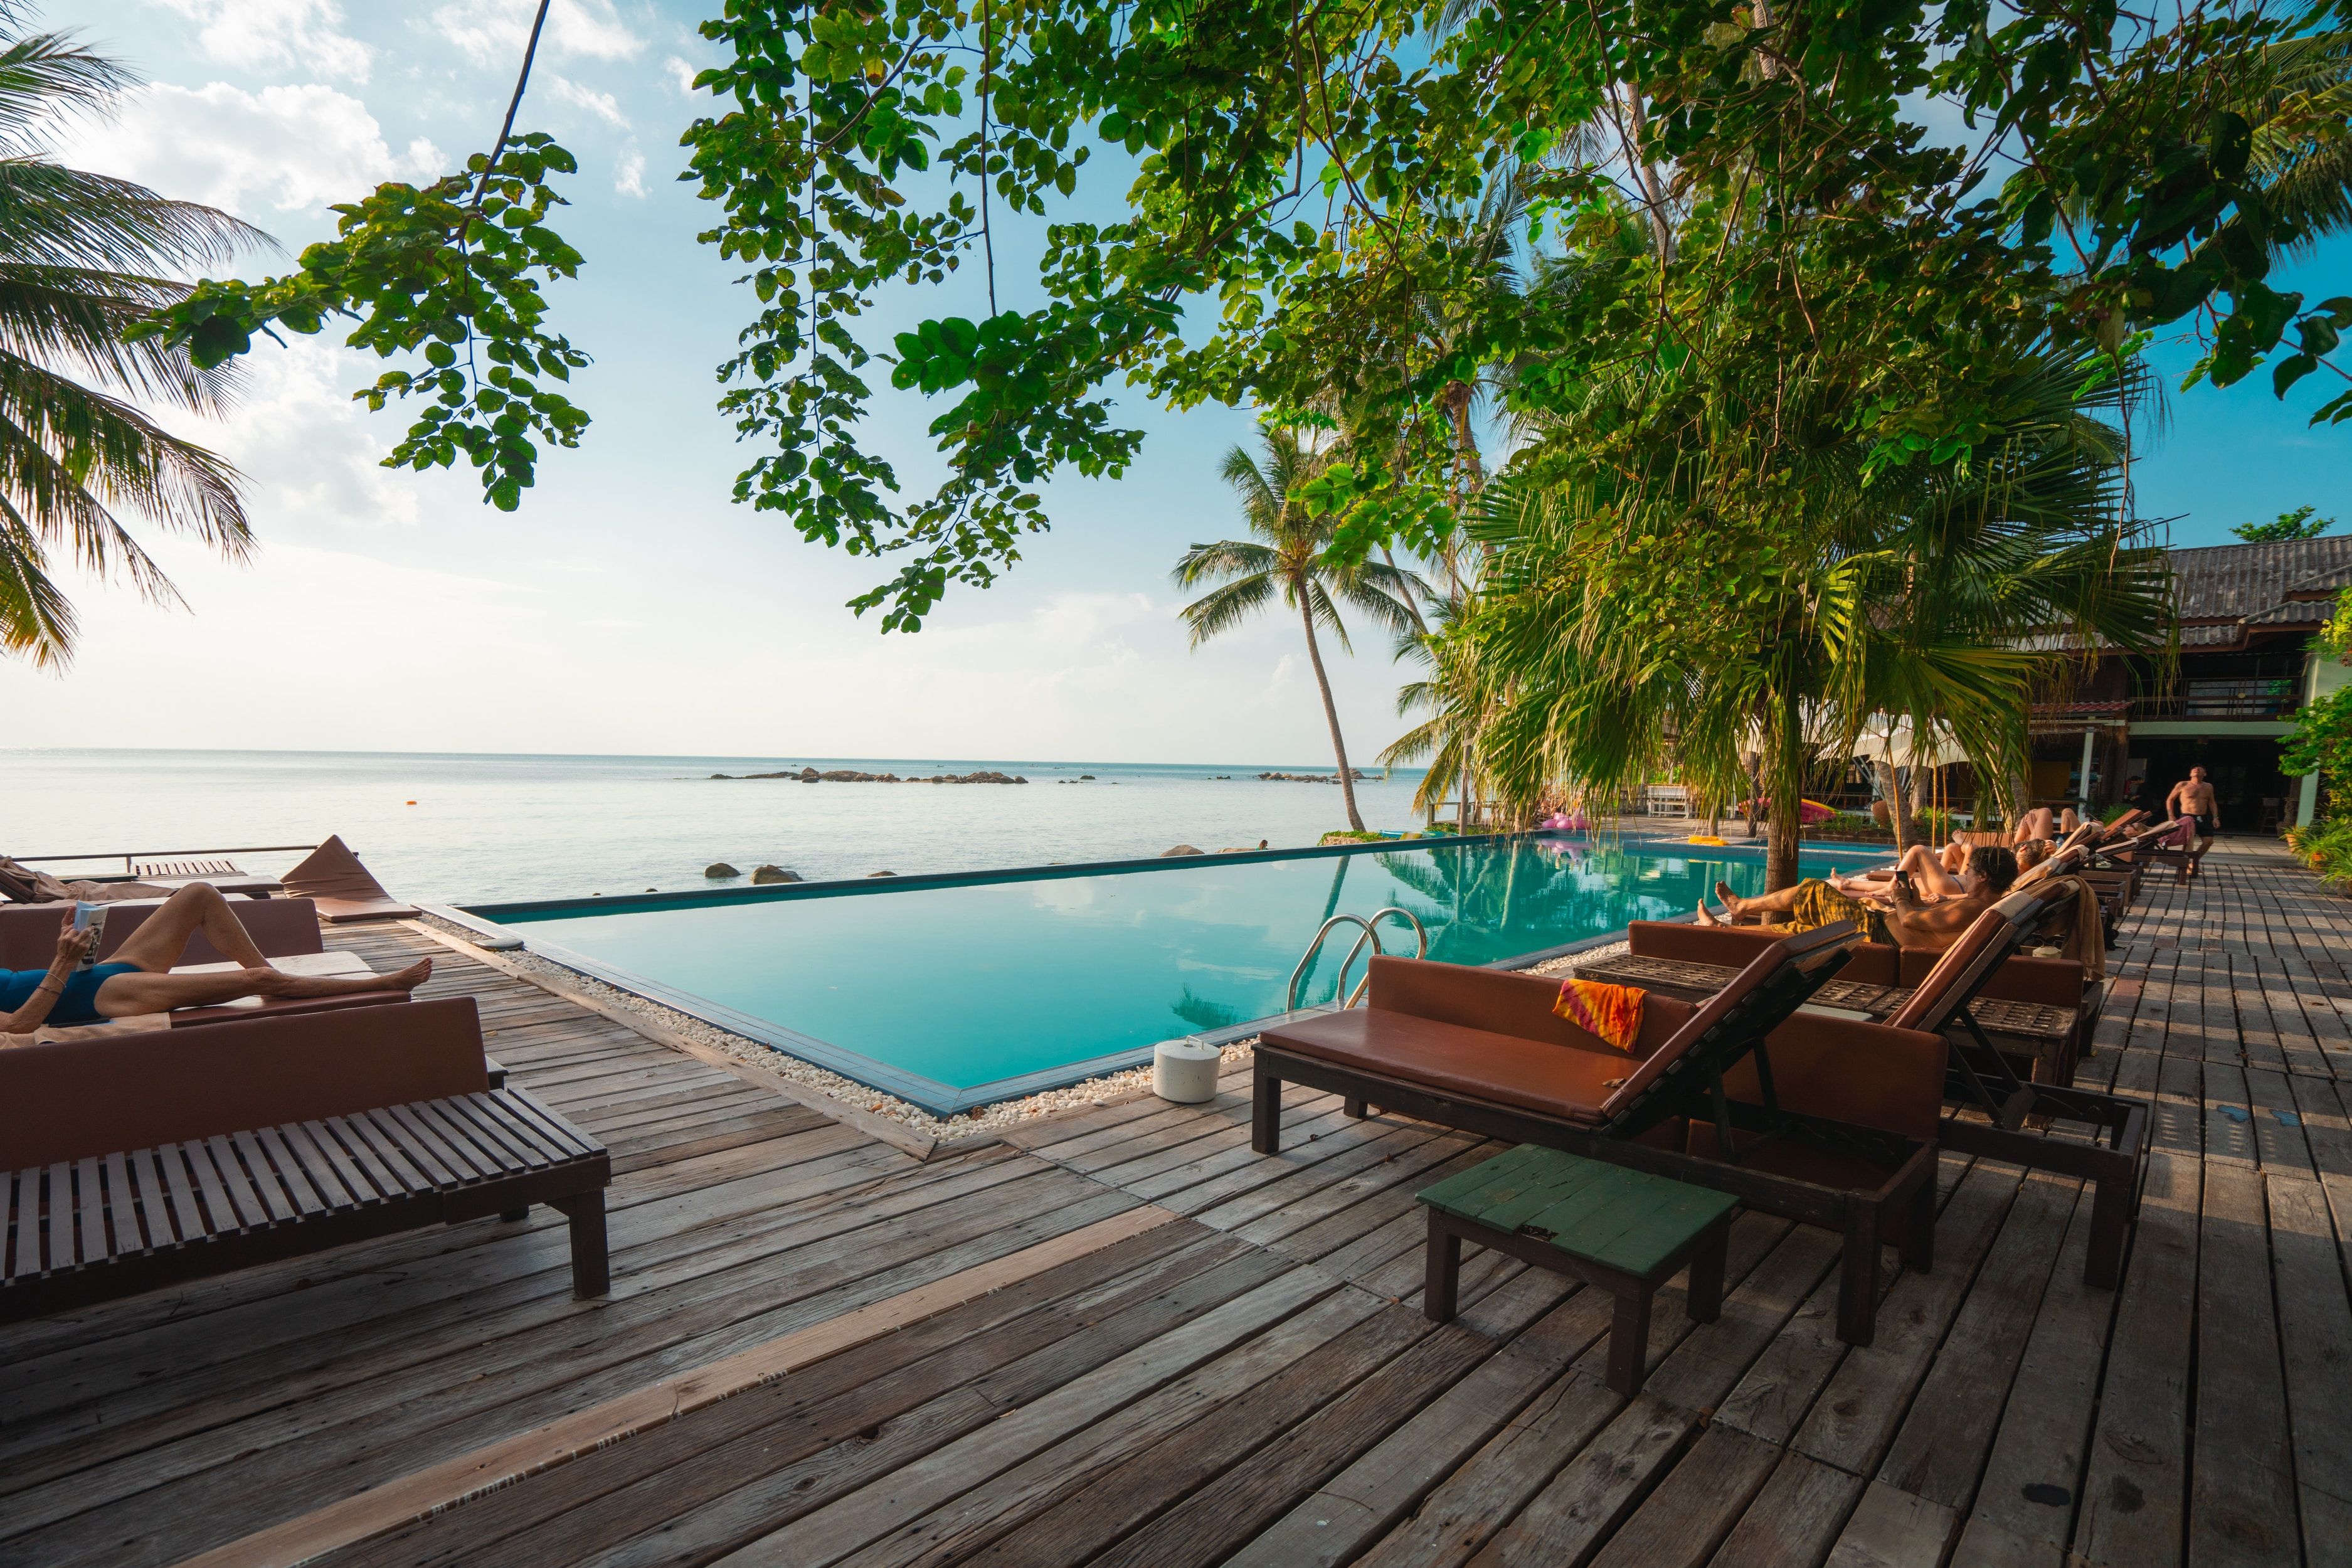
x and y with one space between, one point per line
2258 697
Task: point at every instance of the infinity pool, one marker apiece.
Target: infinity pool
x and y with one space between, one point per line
957 991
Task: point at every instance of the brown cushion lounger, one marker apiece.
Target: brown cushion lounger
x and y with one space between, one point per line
1945 991
333 878
130 1162
1482 1050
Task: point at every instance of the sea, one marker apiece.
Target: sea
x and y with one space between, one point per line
458 827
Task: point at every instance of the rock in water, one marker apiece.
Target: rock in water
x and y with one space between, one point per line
774 874
1180 849
871 874
721 868
810 775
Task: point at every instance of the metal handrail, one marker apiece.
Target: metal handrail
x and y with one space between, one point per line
1290 996
1373 937
129 856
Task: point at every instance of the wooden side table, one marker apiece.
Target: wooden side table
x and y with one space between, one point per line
1626 1232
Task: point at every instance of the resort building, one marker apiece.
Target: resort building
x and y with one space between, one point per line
2248 614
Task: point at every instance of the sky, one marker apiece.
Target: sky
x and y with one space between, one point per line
630 605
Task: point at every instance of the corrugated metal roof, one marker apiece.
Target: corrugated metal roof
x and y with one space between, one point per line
2323 584
2236 581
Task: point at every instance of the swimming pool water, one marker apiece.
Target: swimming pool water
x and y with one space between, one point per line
954 996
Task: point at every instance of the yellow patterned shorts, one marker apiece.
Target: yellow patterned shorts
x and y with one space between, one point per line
1819 904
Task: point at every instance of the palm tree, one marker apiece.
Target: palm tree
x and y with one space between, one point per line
1950 596
82 257
1286 555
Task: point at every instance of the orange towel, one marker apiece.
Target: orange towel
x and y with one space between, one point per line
1609 1013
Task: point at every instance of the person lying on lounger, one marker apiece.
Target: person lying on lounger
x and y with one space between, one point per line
1902 915
1934 873
2040 823
138 978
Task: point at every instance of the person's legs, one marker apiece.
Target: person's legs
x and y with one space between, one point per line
158 943
1779 903
1928 872
128 995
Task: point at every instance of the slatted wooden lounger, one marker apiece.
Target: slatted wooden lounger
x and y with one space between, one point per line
2108 1146
2041 1030
1812 1139
145 1161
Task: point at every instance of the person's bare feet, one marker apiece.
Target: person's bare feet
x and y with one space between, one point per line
1731 902
410 978
1705 918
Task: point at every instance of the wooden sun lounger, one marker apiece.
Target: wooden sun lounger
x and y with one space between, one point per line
1815 1139
133 1162
280 928
1946 997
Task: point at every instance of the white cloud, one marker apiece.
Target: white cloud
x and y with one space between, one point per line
681 74
493 32
312 458
629 180
602 105
256 34
283 148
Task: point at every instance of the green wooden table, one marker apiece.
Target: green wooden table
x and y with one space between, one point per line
1627 1232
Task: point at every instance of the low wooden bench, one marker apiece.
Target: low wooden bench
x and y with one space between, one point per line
1626 1232
276 1138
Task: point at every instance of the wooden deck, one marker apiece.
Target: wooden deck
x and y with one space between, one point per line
1123 1339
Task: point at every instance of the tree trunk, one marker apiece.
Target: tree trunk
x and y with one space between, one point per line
1898 810
1330 709
1785 777
1922 790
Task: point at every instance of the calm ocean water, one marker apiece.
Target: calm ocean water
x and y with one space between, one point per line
488 828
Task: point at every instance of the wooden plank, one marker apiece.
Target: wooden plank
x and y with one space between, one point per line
2316 1342
1891 1528
1583 1503
2134 1493
1367 1498
1032 1429
801 1442
1940 1450
444 1486
1795 1518
1681 1523
2024 1500
89 1212
1214 1519
1465 1511
2242 1505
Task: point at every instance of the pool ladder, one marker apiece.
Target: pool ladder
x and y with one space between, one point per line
1290 998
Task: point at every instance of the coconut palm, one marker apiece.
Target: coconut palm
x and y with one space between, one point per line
1950 596
83 256
1287 557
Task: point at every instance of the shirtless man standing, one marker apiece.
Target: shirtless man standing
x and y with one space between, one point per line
2193 796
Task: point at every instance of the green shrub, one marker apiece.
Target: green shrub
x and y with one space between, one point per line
2326 846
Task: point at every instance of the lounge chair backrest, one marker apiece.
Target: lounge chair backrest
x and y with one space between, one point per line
2147 840
1726 1028
332 872
2064 863
20 884
1867 963
1988 943
279 928
1500 1003
1850 1070
86 1098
